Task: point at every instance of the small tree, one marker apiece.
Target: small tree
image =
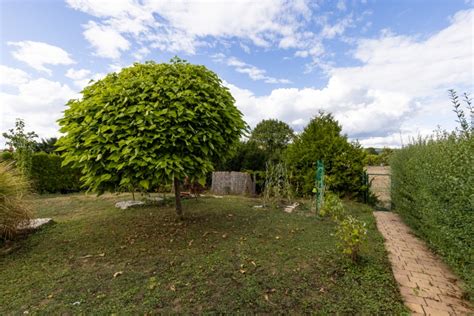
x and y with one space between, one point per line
322 139
150 124
272 136
22 144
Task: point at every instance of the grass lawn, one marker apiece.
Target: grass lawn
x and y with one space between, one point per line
225 257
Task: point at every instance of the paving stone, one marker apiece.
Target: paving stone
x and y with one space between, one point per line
427 285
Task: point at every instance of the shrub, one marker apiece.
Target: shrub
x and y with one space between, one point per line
333 207
6 156
351 234
433 190
23 144
48 176
343 160
13 211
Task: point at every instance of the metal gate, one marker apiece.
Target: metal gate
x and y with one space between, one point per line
380 179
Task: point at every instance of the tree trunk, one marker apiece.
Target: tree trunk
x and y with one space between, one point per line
177 196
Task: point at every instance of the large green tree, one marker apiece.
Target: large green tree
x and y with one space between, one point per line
150 124
273 136
322 139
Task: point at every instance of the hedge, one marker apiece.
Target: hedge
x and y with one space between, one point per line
433 191
48 176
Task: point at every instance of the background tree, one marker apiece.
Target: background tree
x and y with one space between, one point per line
22 143
247 156
47 145
343 161
150 124
273 136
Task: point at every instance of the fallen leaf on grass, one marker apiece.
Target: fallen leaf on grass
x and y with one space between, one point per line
253 262
172 288
190 243
116 274
266 297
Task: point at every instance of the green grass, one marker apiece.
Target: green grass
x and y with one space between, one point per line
225 257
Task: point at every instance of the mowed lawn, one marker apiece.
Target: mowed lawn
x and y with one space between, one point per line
225 257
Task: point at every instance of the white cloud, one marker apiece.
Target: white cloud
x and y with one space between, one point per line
82 77
77 74
341 5
399 88
39 102
38 54
107 41
12 76
253 72
186 25
141 53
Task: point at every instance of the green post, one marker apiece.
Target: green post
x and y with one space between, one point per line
319 185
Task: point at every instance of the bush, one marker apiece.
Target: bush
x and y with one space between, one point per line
333 207
48 176
433 190
13 212
343 160
6 156
351 234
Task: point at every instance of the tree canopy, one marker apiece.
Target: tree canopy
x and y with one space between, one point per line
322 139
273 136
150 124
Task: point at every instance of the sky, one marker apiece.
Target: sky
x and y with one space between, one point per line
382 67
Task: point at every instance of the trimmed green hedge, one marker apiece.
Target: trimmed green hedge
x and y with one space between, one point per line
433 190
48 176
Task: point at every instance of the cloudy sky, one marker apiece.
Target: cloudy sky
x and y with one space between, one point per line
382 67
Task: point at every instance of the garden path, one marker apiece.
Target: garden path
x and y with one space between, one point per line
427 285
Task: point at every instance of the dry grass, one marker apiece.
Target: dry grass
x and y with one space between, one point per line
13 211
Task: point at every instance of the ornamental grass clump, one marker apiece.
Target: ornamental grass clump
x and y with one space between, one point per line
13 211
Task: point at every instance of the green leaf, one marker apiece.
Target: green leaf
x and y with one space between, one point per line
145 184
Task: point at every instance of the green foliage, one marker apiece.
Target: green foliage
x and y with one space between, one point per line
351 233
376 159
47 145
23 144
13 211
343 161
149 124
277 185
246 156
48 176
272 136
6 155
433 190
333 207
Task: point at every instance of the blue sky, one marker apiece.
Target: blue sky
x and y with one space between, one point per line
381 67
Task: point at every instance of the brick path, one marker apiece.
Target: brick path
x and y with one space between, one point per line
426 284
